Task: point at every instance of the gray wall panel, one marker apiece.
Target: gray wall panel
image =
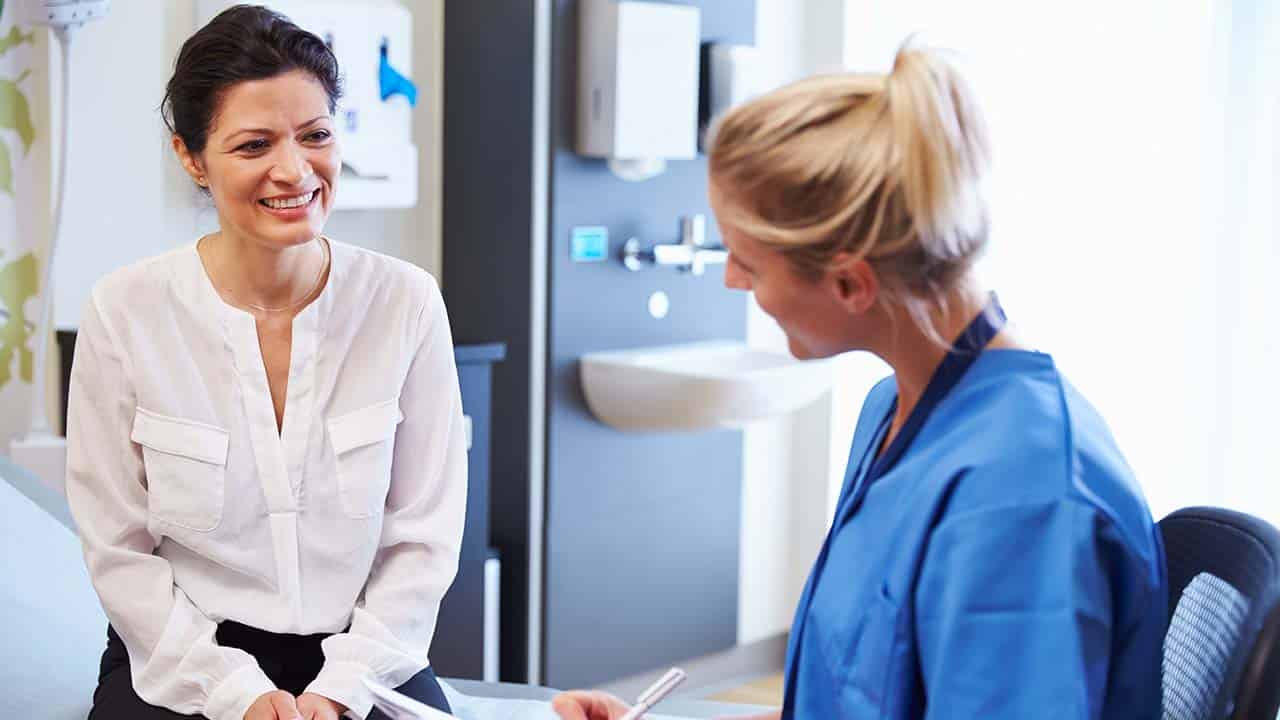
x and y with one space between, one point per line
642 529
487 160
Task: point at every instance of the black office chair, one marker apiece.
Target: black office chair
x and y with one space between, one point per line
1222 646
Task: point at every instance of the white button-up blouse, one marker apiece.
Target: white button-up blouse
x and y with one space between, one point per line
194 509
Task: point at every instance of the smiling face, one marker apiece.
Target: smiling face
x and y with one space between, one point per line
822 316
272 160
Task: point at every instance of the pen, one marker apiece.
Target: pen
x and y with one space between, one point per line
655 693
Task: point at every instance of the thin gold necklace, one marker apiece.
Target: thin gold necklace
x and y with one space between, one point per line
310 294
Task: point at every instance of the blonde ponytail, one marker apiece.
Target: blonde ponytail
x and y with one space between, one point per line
943 145
886 168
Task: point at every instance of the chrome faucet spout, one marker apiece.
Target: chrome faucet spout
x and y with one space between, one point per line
691 254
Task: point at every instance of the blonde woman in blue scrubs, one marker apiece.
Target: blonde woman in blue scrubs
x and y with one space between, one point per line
991 555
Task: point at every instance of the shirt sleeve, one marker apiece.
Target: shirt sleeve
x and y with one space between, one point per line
1015 612
174 659
393 622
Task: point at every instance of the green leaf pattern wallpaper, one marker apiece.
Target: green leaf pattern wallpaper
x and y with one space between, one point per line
19 271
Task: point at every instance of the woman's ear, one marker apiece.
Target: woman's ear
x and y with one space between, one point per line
190 162
854 282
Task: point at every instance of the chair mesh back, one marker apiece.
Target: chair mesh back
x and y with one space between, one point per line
1202 636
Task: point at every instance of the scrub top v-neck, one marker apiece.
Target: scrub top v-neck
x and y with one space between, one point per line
995 560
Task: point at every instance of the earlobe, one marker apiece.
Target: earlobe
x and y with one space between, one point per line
190 162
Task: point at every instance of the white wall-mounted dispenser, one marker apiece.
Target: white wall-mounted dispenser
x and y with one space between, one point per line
733 74
373 41
637 84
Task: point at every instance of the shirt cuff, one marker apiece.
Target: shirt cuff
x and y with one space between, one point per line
231 699
340 682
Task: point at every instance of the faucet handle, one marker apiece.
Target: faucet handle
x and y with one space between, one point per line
691 254
693 230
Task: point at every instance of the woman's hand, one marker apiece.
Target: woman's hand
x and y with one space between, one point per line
319 707
588 705
275 705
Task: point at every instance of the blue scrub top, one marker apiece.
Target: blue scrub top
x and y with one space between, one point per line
1006 566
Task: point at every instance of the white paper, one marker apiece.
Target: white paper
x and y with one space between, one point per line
467 707
402 707
470 707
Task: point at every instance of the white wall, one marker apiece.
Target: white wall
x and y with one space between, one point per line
127 197
1249 141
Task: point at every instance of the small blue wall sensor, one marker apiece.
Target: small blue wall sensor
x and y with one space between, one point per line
589 244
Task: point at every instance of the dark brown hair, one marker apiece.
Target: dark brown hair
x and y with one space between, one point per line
245 42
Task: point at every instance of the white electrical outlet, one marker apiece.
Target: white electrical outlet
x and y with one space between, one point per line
61 13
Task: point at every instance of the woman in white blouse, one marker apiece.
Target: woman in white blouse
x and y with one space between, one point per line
266 458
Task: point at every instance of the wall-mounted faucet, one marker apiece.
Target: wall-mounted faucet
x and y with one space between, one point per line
691 254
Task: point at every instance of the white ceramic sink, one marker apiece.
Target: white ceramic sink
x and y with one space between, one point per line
718 384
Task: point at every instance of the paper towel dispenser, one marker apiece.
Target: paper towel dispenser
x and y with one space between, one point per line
637 84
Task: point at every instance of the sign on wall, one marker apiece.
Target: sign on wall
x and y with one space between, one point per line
21 205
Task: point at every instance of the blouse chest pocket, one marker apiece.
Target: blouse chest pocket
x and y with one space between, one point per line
363 445
186 467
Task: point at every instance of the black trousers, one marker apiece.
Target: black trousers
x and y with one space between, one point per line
291 661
